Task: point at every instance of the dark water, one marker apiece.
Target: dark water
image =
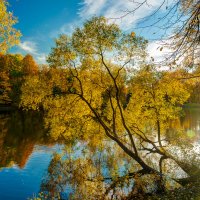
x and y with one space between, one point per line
26 151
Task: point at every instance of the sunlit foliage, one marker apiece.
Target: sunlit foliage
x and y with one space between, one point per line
92 93
9 36
29 65
14 68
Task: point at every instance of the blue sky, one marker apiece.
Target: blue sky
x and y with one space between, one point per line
41 21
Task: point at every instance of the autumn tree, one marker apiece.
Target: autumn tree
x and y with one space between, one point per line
92 92
5 87
11 78
30 67
9 36
11 63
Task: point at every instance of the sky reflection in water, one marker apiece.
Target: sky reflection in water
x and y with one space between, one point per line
21 182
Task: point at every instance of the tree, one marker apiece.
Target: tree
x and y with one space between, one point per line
178 24
29 65
11 63
11 77
5 87
9 36
93 94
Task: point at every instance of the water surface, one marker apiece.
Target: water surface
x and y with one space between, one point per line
26 151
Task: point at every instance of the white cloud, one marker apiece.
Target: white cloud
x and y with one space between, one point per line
158 50
116 9
31 47
113 10
41 58
91 7
28 46
67 29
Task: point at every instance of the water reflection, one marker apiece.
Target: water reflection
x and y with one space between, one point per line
109 174
191 122
99 174
25 153
19 133
87 173
82 172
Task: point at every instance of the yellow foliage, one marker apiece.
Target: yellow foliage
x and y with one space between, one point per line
89 98
9 36
29 65
5 86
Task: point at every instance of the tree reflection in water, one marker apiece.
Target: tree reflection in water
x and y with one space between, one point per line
96 170
89 172
19 133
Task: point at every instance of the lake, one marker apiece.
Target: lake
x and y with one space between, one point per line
26 151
